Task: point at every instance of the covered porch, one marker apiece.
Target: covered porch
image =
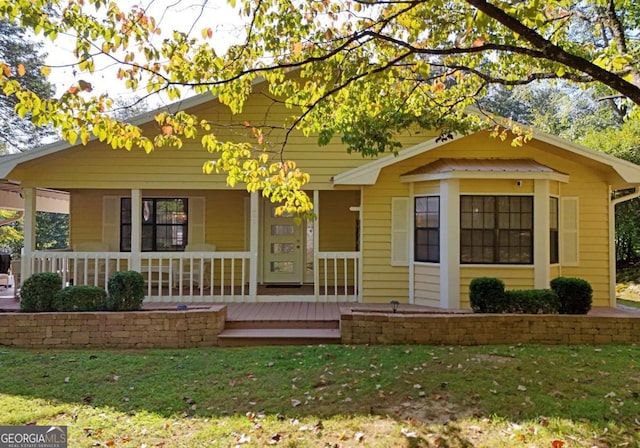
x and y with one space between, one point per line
222 247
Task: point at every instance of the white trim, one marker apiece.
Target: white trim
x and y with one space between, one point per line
316 244
136 228
29 231
254 245
450 244
541 238
412 247
367 174
560 177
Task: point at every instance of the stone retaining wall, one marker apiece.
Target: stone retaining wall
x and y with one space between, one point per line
478 329
133 329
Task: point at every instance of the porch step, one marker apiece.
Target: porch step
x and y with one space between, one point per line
271 324
238 337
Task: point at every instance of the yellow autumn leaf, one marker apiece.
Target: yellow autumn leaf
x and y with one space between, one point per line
297 48
45 71
21 70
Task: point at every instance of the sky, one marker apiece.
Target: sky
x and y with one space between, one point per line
182 15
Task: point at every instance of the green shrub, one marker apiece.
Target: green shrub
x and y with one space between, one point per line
486 295
125 291
81 298
575 295
532 301
38 292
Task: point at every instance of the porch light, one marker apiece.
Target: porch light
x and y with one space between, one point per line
394 305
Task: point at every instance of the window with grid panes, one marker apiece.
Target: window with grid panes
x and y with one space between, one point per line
427 229
496 229
164 224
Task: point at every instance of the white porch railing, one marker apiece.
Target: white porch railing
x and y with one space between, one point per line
196 276
337 277
80 268
169 276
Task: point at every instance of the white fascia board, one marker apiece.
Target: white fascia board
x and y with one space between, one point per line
485 175
368 173
629 172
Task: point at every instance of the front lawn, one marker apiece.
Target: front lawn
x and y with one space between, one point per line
330 396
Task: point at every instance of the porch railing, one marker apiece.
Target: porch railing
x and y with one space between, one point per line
81 268
169 276
196 276
337 276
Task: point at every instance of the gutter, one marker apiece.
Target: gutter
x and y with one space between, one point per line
627 197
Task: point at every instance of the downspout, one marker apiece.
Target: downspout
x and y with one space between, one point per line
612 238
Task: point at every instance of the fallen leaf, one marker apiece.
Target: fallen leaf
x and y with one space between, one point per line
522 388
295 403
408 434
67 379
359 436
557 444
275 439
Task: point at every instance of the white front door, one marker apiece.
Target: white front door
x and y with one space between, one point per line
283 247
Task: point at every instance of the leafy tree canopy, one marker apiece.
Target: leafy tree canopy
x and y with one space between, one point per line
364 70
16 50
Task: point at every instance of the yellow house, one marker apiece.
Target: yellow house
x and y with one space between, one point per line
416 227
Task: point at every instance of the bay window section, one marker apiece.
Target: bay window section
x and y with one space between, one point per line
496 229
164 224
427 229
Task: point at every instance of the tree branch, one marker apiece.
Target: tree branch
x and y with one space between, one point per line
555 53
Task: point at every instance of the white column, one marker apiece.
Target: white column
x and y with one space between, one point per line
541 251
412 255
450 244
316 243
29 196
254 241
136 229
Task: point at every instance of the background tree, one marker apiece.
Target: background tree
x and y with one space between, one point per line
16 50
363 70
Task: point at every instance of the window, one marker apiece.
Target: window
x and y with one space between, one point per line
496 229
427 228
164 224
554 254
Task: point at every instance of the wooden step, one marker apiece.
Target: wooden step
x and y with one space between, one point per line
237 337
281 323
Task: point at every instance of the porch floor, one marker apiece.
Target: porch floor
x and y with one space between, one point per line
293 310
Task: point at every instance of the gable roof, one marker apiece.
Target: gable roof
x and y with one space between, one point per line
10 161
368 173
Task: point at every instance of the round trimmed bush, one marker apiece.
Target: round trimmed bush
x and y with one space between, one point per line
38 292
486 295
575 295
125 291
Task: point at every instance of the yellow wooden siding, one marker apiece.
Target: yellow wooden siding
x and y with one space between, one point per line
225 220
427 285
98 166
495 186
337 224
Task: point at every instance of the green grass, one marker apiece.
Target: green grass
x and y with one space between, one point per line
330 396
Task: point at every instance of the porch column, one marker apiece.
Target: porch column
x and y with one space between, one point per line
450 244
29 196
136 229
316 243
541 251
254 242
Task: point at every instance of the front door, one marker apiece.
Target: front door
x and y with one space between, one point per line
283 247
